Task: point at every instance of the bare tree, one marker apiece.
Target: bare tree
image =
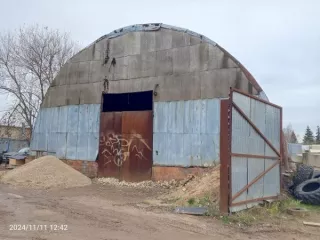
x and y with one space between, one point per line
289 134
30 58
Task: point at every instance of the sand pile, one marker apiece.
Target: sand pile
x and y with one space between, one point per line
46 172
202 186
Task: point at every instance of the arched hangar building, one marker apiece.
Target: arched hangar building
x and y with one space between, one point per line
142 102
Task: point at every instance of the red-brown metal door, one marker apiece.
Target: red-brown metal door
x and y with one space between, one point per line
109 159
137 130
125 150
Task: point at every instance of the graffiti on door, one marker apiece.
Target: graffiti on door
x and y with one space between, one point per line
117 148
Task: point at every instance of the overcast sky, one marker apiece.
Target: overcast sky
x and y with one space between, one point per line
277 41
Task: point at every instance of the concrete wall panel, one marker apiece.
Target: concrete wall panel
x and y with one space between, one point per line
59 97
148 42
132 42
217 83
97 71
190 79
114 86
163 39
181 60
90 93
134 66
73 94
148 84
117 47
120 69
164 63
180 39
148 64
215 57
199 57
98 50
170 88
61 78
84 69
195 40
73 73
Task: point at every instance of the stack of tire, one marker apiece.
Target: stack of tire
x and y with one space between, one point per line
306 185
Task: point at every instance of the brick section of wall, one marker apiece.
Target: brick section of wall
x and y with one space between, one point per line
161 173
88 168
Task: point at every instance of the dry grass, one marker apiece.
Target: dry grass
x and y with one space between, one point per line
273 212
203 190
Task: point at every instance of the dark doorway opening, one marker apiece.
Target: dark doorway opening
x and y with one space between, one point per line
127 102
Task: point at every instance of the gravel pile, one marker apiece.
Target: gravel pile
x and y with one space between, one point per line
206 185
46 172
141 185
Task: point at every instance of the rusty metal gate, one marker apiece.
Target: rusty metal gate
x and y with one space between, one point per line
125 148
250 151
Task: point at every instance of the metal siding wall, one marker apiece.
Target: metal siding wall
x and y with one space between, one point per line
294 149
239 178
160 122
14 145
186 133
71 132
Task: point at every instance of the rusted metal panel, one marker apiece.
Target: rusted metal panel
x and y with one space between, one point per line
125 150
138 165
137 124
136 146
110 157
224 157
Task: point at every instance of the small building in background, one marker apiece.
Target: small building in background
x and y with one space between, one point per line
13 138
311 155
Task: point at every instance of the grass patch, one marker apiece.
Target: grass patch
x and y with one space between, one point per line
275 211
205 201
192 201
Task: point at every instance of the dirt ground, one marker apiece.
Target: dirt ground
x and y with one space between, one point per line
113 213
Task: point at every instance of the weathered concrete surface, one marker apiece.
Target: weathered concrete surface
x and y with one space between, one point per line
184 66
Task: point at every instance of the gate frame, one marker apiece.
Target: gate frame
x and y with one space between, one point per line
226 197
